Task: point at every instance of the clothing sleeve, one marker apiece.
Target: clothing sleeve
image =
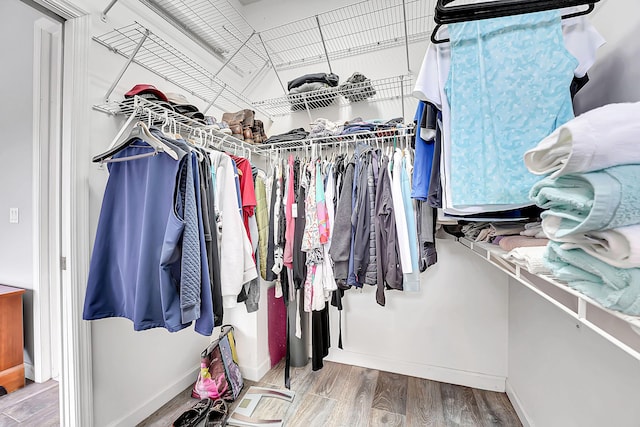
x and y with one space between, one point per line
582 40
427 86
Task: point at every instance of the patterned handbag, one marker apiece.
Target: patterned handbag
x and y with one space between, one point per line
219 376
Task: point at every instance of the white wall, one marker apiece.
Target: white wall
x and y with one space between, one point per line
454 330
16 115
615 75
564 376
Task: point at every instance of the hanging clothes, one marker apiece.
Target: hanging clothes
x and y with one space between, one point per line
211 235
388 268
341 243
361 216
290 220
138 251
237 266
262 218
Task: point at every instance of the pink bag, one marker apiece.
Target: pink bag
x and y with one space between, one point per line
219 376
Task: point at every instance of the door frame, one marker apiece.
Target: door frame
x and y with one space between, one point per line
47 102
76 386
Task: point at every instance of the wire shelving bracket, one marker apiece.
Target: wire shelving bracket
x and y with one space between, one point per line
141 46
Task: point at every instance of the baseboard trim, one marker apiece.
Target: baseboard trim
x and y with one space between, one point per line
151 405
29 372
256 374
517 405
430 372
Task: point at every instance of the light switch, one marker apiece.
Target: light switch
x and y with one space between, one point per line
13 216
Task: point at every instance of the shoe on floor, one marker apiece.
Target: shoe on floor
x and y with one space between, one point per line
218 414
193 416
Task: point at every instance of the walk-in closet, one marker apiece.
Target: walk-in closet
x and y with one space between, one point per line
337 213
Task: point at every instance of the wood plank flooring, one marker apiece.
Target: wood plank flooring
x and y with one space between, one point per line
350 396
33 405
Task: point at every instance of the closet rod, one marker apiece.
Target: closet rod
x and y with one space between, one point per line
145 35
379 136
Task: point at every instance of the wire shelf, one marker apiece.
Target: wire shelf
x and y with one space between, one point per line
342 95
380 136
146 110
618 328
164 60
351 30
218 27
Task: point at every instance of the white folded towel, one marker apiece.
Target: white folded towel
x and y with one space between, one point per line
598 139
531 258
619 247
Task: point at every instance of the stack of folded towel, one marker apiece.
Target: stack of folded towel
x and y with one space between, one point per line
593 201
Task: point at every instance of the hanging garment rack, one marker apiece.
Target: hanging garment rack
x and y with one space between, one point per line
494 9
203 136
313 147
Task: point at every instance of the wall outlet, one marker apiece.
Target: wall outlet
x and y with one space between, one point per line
13 216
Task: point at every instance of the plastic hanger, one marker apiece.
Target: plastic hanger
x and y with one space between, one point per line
140 131
498 8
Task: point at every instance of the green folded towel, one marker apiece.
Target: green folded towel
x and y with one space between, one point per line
599 200
614 288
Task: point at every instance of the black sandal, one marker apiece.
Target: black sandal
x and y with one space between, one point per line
218 414
193 416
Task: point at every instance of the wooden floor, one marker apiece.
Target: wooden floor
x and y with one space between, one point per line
349 396
33 405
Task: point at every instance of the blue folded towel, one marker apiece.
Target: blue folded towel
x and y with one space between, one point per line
599 200
614 288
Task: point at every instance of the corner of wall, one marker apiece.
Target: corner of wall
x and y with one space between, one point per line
158 400
517 405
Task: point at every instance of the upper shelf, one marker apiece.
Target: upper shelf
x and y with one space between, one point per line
620 329
166 61
218 27
362 27
358 28
373 90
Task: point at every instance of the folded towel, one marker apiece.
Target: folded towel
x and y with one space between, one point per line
508 243
506 228
531 258
599 200
619 247
600 138
534 229
615 288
